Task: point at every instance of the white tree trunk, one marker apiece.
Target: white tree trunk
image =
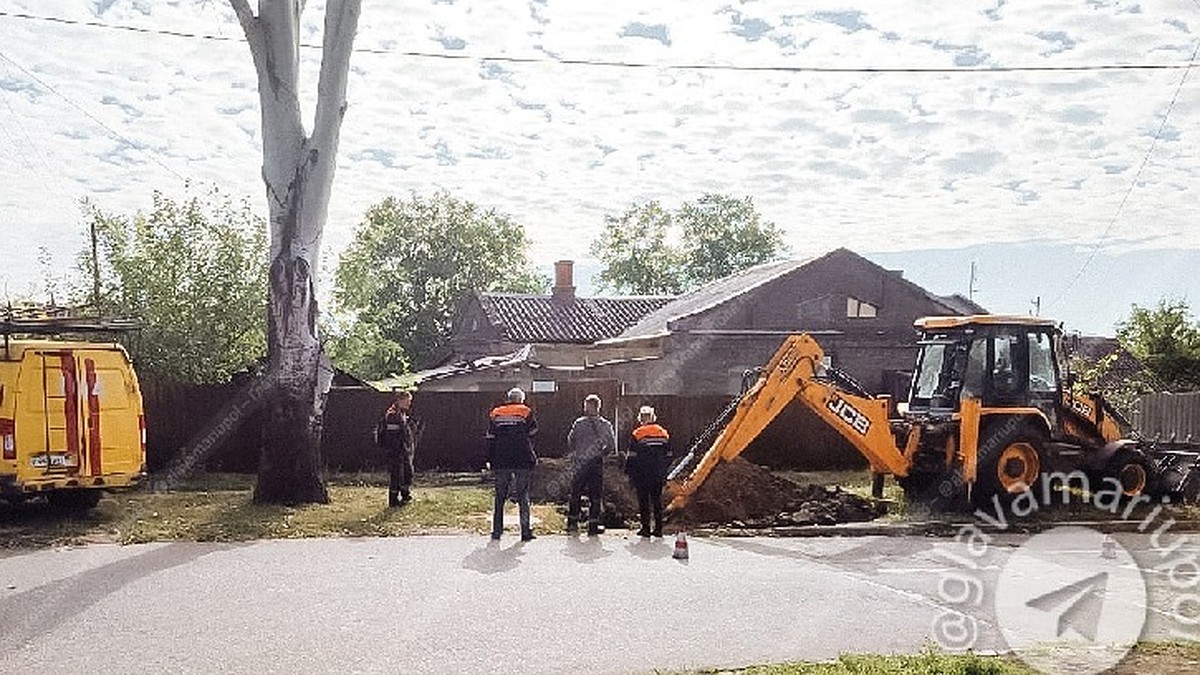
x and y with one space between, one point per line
298 172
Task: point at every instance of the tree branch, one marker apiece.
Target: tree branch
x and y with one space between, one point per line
341 24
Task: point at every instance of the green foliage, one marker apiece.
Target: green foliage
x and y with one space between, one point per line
195 272
1166 340
361 347
929 662
410 265
650 250
636 255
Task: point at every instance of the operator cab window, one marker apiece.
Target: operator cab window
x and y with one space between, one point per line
1042 376
1010 367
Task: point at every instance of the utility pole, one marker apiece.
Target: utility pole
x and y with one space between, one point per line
1037 306
971 284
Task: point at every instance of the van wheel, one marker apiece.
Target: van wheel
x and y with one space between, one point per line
74 499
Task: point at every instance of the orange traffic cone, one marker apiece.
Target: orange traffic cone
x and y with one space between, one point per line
681 549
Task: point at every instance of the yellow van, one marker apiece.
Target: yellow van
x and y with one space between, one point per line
71 421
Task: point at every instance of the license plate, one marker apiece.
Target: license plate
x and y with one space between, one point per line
41 461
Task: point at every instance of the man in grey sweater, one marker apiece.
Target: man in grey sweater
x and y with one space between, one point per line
590 439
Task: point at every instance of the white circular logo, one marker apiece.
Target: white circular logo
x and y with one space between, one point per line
1071 600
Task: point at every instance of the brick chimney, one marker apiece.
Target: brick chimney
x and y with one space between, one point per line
563 292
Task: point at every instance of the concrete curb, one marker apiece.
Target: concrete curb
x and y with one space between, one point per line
941 529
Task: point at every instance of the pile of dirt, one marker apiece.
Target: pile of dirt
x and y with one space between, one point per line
551 484
744 495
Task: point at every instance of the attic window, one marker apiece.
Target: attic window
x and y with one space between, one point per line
857 309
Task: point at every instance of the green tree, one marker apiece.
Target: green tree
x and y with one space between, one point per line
194 271
650 250
1167 340
636 254
410 265
723 235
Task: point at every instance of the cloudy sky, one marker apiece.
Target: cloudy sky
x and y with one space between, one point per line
1055 181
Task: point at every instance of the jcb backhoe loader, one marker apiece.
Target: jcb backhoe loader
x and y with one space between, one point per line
990 413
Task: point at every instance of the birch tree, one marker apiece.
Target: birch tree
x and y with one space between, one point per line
298 170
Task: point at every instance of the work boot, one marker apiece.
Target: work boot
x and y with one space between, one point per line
644 533
393 500
657 532
405 498
528 535
593 530
572 526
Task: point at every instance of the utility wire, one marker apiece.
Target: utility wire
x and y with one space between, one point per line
639 64
1132 184
116 135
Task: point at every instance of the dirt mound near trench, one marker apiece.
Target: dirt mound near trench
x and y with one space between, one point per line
737 494
551 484
741 494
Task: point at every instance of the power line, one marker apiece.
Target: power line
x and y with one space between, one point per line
111 132
640 64
1132 184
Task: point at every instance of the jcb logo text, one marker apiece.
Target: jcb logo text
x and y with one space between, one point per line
849 414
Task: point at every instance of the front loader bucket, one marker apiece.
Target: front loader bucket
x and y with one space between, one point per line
1178 466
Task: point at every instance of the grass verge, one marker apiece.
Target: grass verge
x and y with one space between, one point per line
1166 658
218 507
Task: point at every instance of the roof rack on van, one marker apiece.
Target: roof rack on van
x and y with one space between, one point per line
10 325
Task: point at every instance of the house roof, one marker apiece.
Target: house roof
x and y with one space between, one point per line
723 290
518 357
710 295
542 319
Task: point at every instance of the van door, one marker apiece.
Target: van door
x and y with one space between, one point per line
48 414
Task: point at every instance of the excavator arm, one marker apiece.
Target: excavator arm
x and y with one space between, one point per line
795 374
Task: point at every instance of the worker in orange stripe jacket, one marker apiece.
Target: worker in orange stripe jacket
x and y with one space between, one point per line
647 462
511 428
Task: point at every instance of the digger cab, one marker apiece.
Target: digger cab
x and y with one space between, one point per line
1001 361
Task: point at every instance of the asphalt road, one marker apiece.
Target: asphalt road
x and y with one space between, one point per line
461 604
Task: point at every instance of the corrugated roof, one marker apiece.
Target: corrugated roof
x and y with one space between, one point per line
721 291
711 295
540 318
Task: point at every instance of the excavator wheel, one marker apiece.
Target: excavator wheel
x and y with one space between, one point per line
1134 471
1010 462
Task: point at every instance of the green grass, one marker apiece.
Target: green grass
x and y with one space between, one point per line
1161 658
927 663
218 507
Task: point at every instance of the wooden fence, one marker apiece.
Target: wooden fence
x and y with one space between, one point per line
1168 416
452 426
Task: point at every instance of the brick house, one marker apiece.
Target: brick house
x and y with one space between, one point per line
860 313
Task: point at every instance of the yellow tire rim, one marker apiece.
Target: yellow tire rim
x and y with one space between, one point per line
1018 467
1133 479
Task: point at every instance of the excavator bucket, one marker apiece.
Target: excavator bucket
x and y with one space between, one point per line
1178 466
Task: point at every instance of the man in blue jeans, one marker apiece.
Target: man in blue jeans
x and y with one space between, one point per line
511 428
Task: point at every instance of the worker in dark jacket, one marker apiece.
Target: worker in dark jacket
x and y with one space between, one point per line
511 428
647 462
590 439
394 434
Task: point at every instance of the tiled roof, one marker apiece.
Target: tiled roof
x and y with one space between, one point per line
540 318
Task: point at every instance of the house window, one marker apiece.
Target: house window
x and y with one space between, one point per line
544 386
857 309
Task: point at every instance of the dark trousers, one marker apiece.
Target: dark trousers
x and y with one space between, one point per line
516 480
588 481
400 476
650 502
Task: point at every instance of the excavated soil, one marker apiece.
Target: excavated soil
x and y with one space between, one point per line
744 495
737 494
